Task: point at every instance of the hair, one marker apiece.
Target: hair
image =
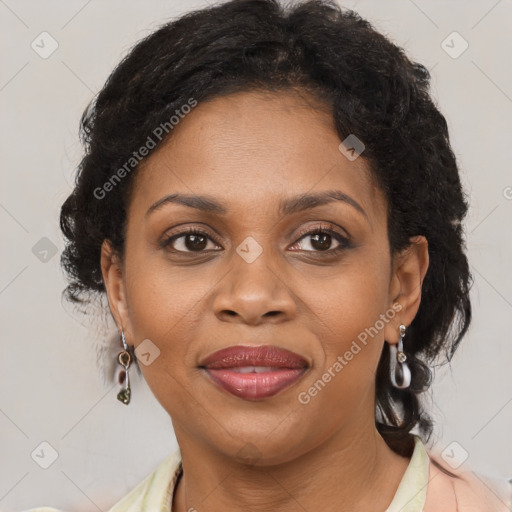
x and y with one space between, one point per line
372 90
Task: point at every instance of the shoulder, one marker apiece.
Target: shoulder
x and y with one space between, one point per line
152 493
467 491
155 491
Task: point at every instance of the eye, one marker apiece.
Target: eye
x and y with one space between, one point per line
190 240
194 240
322 238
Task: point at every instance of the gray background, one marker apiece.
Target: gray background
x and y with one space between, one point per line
52 389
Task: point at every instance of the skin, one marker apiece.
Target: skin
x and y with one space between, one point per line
249 151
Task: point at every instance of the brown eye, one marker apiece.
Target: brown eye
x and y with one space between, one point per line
192 240
321 240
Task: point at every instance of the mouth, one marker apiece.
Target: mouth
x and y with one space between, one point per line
254 373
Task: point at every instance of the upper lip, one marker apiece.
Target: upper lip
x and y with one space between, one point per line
264 355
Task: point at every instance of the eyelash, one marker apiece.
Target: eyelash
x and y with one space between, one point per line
344 242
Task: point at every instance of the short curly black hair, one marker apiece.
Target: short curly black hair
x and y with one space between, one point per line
372 90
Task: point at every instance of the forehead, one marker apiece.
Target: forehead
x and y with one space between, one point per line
252 149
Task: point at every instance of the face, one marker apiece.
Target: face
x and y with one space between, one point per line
254 272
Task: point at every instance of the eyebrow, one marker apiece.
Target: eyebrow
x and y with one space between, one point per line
287 206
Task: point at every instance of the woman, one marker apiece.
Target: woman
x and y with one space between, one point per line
270 202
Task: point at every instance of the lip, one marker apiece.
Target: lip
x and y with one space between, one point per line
283 368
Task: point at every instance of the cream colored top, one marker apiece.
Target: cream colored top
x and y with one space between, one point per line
423 488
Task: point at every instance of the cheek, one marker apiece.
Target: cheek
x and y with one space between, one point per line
162 297
163 308
349 316
349 302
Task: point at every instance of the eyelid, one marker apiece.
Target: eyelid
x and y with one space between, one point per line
324 227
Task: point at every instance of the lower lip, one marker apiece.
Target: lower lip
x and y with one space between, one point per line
254 386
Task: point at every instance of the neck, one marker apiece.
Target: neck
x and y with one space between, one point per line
355 468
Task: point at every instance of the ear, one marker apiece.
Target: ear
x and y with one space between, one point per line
409 269
113 275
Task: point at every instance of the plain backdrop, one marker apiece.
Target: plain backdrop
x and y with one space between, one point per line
52 390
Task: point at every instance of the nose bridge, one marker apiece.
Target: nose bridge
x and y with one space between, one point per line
253 287
254 267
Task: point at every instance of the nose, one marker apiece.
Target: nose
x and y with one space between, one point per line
254 293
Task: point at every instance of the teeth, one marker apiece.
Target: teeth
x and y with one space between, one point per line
254 369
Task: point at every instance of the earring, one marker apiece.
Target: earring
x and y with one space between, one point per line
124 359
399 370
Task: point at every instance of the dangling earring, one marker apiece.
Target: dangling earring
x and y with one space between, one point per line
399 370
124 359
